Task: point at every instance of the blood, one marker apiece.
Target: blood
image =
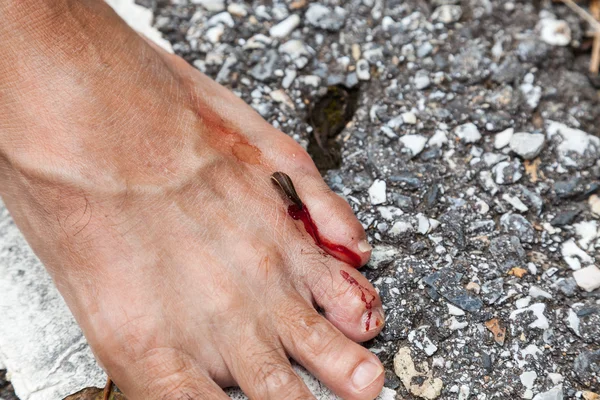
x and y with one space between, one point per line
340 252
364 294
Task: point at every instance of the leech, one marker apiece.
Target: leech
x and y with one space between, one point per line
299 212
287 187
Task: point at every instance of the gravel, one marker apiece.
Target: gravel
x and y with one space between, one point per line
471 158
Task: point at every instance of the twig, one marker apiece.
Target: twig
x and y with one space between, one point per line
107 389
583 14
595 62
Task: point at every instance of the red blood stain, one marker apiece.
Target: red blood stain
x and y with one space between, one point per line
365 295
340 252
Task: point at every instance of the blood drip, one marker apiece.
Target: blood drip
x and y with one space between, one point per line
364 292
340 252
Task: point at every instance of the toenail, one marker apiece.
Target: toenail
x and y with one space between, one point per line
365 374
364 246
372 319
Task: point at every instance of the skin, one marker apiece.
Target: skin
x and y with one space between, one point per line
144 187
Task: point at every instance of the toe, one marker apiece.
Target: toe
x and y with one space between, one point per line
262 370
348 369
348 300
334 227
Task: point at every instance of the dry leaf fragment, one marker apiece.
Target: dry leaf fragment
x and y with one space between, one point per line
518 272
591 396
93 393
531 169
499 331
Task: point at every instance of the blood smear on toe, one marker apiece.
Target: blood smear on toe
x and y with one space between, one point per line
340 252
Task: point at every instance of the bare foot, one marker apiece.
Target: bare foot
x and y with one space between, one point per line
146 190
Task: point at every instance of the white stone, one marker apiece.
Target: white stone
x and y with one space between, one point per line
463 393
554 31
438 139
587 232
298 51
536 291
422 80
572 141
573 322
515 202
556 393
588 278
239 10
214 34
594 203
541 321
280 96
447 13
426 386
409 118
363 70
527 145
573 255
503 138
377 192
455 325
223 18
390 213
528 378
400 227
453 310
468 133
523 302
285 27
555 378
288 79
382 254
414 143
211 5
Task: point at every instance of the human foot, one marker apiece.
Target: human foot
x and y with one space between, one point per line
154 209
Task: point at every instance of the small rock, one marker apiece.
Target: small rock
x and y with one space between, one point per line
507 252
555 393
573 255
518 225
565 217
239 10
447 14
594 203
527 145
503 138
211 5
285 27
576 148
297 51
414 143
421 384
377 192
280 96
541 322
422 80
588 278
535 292
515 202
554 32
409 118
507 172
528 378
363 70
453 310
322 17
382 255
468 133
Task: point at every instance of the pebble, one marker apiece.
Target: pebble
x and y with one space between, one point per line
323 17
573 255
239 10
453 310
214 34
535 292
467 133
363 70
528 378
507 172
285 27
421 80
556 393
377 192
297 51
211 5
420 383
409 118
447 14
503 138
414 143
515 202
527 145
576 147
518 225
541 322
588 278
554 32
594 203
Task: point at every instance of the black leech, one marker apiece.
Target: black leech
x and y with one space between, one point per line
287 187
